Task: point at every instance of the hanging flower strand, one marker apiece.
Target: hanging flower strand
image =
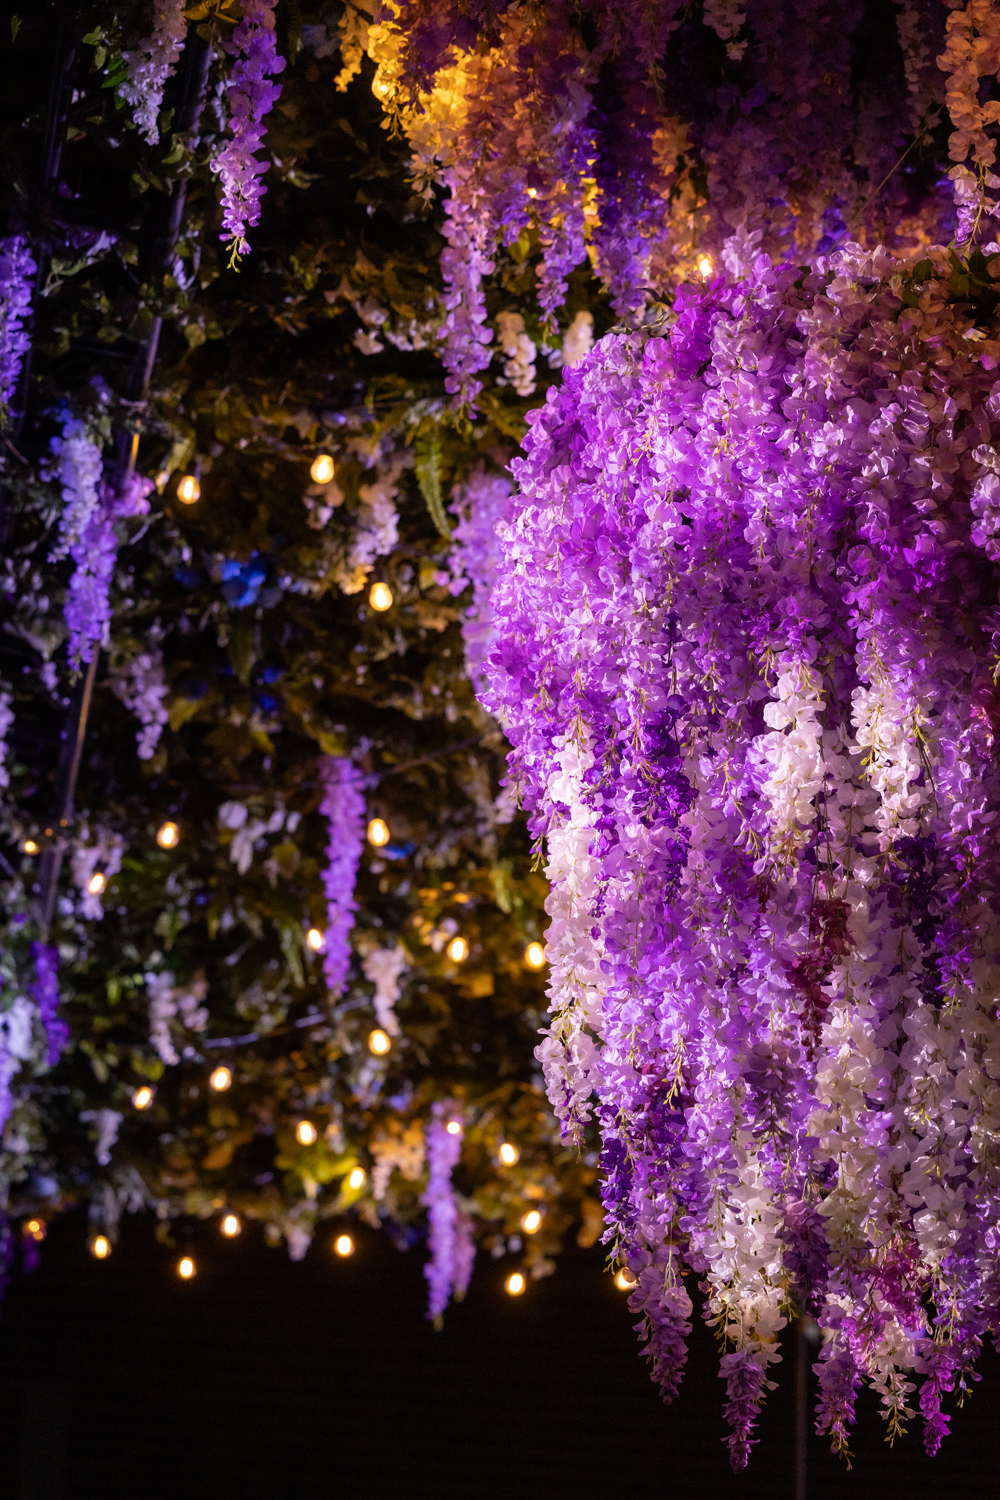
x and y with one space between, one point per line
450 1265
760 741
250 97
151 63
17 271
343 806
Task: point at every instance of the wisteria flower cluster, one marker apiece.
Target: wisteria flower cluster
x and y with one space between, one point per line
646 135
746 647
151 63
479 506
449 1237
251 97
87 532
17 272
343 806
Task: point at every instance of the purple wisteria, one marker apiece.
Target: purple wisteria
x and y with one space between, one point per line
448 1236
746 638
87 533
44 990
660 141
479 505
17 273
343 806
250 97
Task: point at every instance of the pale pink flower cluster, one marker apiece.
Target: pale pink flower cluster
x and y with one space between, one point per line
151 63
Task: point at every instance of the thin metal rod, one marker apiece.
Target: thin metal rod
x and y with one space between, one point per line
801 1411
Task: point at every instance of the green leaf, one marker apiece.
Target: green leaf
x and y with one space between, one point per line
16 22
428 470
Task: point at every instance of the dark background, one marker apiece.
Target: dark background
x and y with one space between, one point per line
323 1379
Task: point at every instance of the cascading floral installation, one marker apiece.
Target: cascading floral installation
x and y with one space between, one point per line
647 136
747 644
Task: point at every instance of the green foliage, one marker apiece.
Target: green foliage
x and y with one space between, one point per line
322 343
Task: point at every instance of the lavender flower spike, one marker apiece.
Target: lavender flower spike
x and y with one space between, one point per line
450 1264
251 97
343 806
17 269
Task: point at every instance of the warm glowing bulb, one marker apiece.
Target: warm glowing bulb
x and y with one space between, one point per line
185 1268
96 884
221 1079
380 597
315 939
532 1221
35 1228
454 1127
231 1226
322 469
143 1097
515 1284
625 1280
168 836
379 1043
458 950
509 1154
101 1247
344 1245
357 1179
378 832
305 1133
29 846
704 265
534 956
189 490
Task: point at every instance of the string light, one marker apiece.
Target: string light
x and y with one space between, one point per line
458 950
515 1284
168 836
220 1079
143 1097
231 1226
454 1127
315 939
185 1268
625 1280
344 1245
322 469
378 832
29 846
35 1229
100 1247
534 956
509 1154
356 1179
306 1133
380 597
704 265
96 884
379 1043
532 1221
189 490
